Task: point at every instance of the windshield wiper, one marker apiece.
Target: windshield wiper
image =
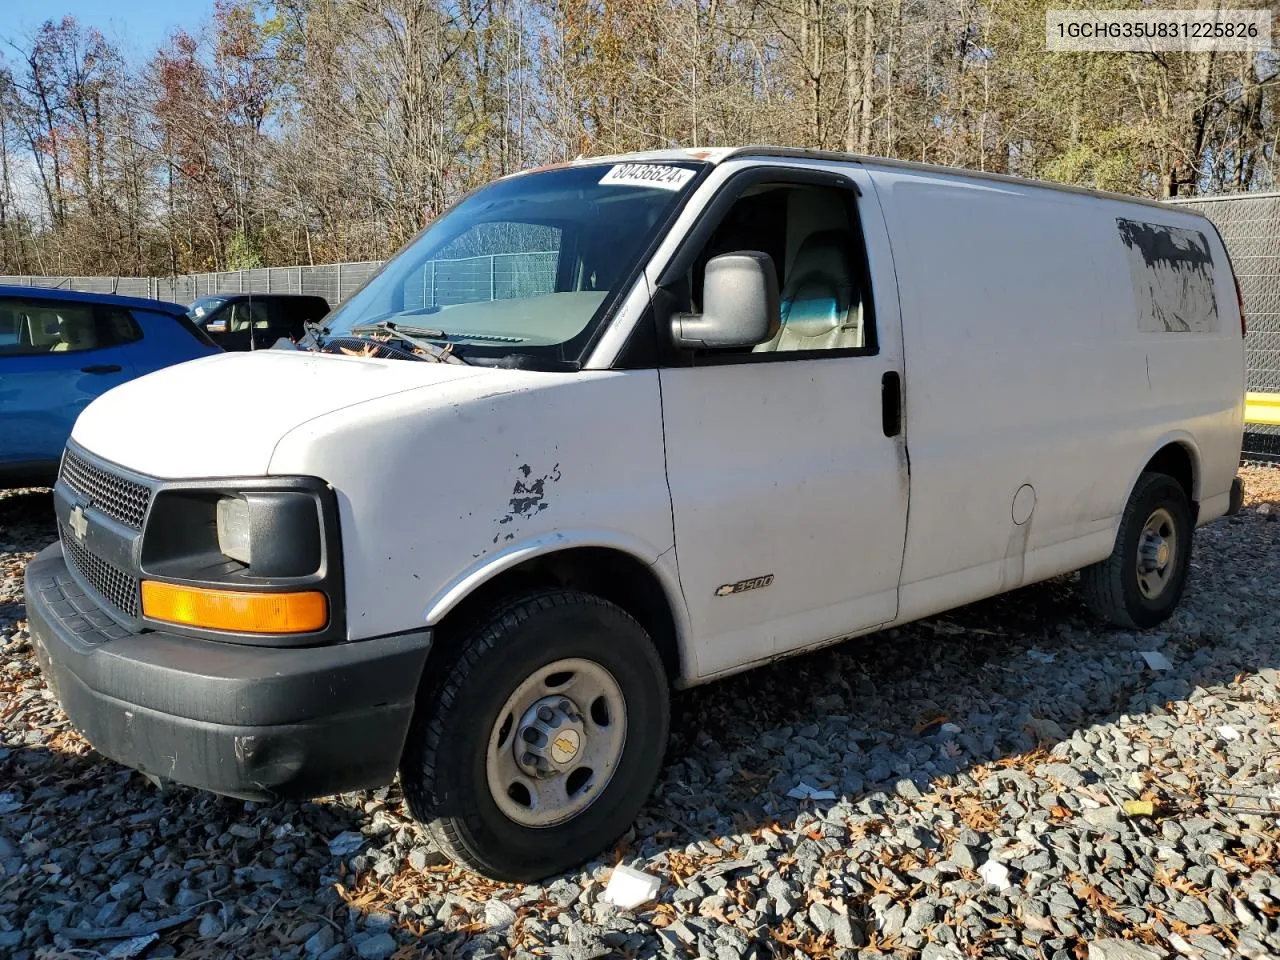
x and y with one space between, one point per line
394 327
413 336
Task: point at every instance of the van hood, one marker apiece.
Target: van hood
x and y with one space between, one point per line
222 416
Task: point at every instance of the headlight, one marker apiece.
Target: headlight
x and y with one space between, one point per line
230 533
258 558
233 529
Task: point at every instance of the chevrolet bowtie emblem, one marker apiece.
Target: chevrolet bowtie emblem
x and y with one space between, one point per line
79 525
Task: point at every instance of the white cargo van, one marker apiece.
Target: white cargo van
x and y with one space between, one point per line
623 425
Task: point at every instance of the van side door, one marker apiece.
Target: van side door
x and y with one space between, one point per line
786 461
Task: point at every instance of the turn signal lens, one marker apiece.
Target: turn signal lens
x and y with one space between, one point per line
235 610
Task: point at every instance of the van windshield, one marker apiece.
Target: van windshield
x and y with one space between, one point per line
526 265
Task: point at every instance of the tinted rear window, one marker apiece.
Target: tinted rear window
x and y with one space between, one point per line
184 321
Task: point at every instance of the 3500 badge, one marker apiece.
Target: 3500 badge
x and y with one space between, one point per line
742 586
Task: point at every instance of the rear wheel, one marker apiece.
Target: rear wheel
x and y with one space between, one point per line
542 738
1140 584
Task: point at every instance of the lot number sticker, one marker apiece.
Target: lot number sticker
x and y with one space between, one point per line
647 175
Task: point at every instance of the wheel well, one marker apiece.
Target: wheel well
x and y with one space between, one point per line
611 574
1175 460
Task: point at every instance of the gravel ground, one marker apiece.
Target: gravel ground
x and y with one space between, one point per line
977 766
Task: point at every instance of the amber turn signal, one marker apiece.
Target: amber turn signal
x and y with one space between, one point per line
235 610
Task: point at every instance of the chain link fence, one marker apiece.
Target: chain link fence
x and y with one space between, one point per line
1250 228
442 282
333 281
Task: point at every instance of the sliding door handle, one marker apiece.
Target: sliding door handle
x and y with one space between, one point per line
891 403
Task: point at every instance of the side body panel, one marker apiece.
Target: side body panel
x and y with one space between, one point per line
42 394
164 343
438 494
1027 370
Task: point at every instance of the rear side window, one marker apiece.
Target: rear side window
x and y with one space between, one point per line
1172 272
183 322
34 326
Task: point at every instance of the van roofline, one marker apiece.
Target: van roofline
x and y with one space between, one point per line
718 155
1217 197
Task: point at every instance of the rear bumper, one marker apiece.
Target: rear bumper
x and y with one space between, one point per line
246 721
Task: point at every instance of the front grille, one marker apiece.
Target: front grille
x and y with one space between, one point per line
115 496
108 581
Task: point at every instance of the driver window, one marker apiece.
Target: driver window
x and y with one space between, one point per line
810 234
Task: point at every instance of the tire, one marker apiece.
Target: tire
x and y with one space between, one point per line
462 741
1117 590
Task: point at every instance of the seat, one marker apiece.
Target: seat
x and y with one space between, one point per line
820 309
75 333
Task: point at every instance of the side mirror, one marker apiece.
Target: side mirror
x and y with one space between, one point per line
739 304
215 327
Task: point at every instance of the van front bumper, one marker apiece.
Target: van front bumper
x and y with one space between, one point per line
254 722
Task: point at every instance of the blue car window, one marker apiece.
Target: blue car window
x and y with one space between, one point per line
53 326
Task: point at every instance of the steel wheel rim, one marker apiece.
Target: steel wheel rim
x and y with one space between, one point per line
570 717
1157 553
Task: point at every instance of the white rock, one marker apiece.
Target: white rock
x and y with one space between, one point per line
995 873
498 916
1185 948
1117 949
1227 733
629 888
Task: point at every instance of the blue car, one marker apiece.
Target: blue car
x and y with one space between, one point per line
59 350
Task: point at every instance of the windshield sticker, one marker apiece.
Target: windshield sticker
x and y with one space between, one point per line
647 175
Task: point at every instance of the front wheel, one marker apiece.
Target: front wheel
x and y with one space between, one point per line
542 739
1142 581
